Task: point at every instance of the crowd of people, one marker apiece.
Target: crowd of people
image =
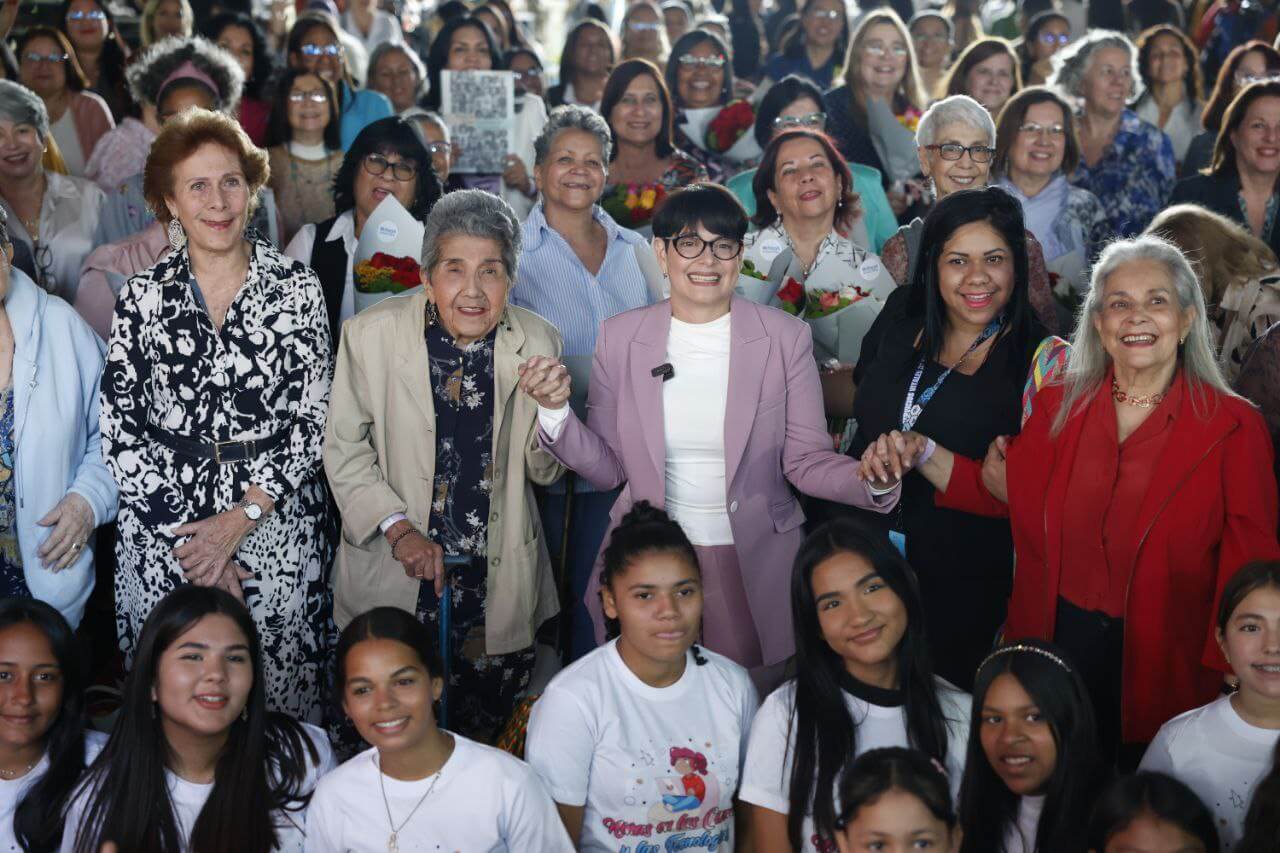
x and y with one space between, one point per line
823 427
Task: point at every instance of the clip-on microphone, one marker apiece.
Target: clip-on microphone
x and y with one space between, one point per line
666 371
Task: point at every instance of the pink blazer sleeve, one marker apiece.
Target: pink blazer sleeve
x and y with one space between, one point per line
588 448
808 460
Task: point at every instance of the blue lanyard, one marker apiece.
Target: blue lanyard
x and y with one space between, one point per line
910 408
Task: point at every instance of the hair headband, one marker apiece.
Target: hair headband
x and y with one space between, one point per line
1022 647
188 71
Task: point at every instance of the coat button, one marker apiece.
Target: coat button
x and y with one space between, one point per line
497 561
733 507
494 517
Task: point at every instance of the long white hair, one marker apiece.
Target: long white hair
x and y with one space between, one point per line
1088 362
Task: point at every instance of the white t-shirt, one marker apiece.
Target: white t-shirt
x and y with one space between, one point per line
484 801
694 400
189 798
767 780
13 790
601 738
1215 753
1021 837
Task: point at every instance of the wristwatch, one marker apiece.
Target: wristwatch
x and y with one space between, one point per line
251 509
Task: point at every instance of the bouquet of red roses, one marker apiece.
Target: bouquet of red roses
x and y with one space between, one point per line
385 273
818 303
729 125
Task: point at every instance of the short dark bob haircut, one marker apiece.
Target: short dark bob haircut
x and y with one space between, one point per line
688 42
709 205
1155 794
281 133
438 54
390 135
848 208
1014 114
616 86
781 95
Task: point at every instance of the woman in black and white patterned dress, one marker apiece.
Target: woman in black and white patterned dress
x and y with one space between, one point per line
213 407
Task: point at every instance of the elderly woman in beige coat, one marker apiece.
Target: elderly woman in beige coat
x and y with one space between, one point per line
431 453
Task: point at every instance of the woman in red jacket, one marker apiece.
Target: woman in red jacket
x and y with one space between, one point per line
1137 487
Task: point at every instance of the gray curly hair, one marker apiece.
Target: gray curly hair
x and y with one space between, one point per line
1088 362
1071 64
472 213
149 72
20 105
572 117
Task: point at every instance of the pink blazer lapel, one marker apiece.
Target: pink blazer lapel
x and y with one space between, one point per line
749 351
648 349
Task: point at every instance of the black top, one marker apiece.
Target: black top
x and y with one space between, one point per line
1221 194
964 562
849 130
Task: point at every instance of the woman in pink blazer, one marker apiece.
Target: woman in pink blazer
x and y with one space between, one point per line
709 406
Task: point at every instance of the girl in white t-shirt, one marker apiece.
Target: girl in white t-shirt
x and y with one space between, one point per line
641 742
864 680
195 762
1153 812
43 744
1032 769
896 799
419 787
1222 750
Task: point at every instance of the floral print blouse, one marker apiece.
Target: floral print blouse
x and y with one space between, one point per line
462 390
1135 176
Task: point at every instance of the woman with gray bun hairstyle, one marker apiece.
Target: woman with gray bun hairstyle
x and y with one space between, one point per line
45 209
1124 161
122 153
444 362
1137 488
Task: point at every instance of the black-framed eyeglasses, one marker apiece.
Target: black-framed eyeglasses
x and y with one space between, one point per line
954 151
691 246
401 170
813 121
52 58
43 256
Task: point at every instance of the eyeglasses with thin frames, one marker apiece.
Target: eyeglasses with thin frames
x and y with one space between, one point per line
51 58
1054 38
694 62
643 26
880 51
954 151
434 148
814 121
315 96
825 14
691 246
1033 129
401 170
321 50
91 15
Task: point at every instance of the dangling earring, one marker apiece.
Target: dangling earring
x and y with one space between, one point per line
177 236
244 714
433 313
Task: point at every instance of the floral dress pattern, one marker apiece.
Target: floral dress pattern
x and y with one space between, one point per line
266 371
13 583
482 688
1135 176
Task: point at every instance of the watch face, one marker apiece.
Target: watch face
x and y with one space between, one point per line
253 511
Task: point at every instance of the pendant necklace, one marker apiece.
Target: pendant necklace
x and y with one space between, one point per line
392 846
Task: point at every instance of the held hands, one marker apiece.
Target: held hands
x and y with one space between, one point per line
887 459
546 380
993 469
72 522
419 556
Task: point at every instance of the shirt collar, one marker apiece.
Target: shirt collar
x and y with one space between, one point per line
536 227
344 228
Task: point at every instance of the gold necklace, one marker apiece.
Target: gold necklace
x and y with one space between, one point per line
1141 402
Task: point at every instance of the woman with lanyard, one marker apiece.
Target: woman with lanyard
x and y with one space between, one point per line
950 353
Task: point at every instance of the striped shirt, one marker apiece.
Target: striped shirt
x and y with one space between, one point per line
552 282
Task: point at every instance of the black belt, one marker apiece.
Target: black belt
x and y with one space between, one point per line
221 452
